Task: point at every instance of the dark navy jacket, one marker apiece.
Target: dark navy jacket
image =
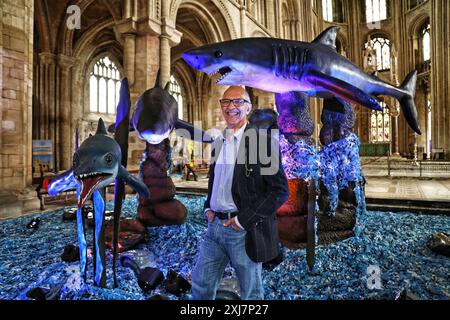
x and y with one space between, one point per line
256 196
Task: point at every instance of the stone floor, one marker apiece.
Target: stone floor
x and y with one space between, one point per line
377 187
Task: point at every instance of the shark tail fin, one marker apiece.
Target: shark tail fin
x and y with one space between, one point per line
407 101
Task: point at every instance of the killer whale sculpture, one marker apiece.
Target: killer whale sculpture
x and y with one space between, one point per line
315 68
96 164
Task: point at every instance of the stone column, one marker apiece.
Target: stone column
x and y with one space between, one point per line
127 9
242 11
46 96
395 149
129 55
270 7
164 59
64 153
16 77
440 72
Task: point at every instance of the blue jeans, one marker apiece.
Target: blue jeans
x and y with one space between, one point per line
221 246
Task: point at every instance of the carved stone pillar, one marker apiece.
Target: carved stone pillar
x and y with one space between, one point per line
16 78
64 154
170 37
242 11
270 7
395 149
164 59
440 73
129 55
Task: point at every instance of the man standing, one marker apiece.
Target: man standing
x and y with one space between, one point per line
241 204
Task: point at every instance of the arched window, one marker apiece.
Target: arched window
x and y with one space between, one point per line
380 125
327 8
382 47
376 10
104 86
175 91
426 43
332 10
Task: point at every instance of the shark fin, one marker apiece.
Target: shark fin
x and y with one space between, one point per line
134 182
158 80
101 127
121 134
194 133
76 139
342 89
123 120
167 87
328 37
407 102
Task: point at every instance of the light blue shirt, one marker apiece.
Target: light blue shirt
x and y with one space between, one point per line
221 196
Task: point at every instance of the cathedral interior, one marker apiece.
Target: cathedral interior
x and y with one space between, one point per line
61 66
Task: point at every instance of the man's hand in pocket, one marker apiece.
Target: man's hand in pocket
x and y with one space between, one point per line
210 215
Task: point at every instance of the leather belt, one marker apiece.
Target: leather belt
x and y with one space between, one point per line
225 215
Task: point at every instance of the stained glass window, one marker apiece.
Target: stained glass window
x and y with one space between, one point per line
332 10
327 7
426 43
382 47
380 125
104 86
175 91
376 10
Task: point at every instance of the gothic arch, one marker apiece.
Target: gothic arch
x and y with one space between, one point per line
377 33
289 19
66 37
43 28
89 35
417 24
341 37
205 9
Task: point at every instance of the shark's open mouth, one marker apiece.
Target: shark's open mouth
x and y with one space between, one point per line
223 72
89 182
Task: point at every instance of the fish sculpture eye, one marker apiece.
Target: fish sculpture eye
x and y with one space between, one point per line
109 159
218 54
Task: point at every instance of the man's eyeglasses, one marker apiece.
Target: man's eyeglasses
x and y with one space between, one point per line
238 103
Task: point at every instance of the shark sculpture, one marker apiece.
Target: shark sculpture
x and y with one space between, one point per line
155 115
315 68
96 164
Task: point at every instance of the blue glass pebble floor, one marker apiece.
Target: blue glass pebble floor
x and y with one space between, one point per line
395 243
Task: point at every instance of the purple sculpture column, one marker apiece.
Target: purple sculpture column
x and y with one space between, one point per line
341 199
161 208
300 162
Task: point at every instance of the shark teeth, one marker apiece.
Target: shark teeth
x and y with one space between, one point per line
85 175
224 71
